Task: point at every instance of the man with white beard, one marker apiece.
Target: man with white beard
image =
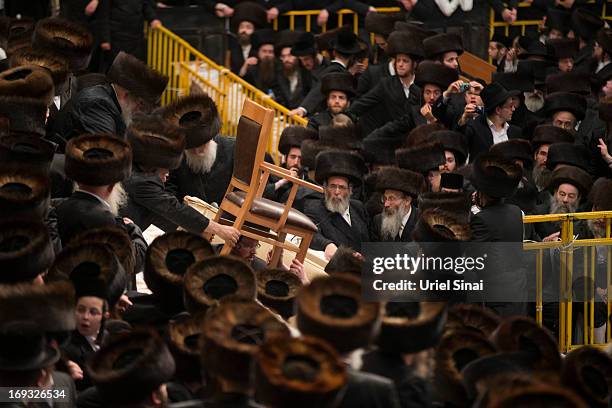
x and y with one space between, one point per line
340 219
399 189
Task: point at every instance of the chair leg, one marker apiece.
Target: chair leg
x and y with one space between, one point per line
277 251
304 245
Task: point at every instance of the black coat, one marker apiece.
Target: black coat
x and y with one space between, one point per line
79 350
150 203
209 187
372 77
315 100
479 137
93 110
282 89
323 118
365 390
333 229
236 56
406 236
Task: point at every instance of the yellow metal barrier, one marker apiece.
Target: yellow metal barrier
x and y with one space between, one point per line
566 246
191 71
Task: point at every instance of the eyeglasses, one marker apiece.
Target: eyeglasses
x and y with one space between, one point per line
391 199
333 187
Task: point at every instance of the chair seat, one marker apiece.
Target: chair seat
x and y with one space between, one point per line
273 210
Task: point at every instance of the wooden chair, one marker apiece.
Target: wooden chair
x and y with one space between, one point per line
476 67
243 198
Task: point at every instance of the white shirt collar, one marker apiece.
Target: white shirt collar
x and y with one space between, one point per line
347 215
405 220
339 62
98 197
392 67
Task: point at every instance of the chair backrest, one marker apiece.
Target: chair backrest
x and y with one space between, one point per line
252 137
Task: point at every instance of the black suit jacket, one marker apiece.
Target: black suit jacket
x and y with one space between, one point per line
365 390
479 137
406 236
79 350
282 88
315 100
372 77
236 56
323 118
334 229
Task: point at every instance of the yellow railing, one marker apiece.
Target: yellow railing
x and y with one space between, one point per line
191 71
566 247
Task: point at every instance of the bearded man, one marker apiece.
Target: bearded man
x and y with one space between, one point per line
340 219
399 188
260 68
293 82
543 137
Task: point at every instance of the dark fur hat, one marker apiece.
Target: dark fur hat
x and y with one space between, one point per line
134 75
262 37
156 143
94 271
25 250
331 308
166 263
572 82
421 159
516 149
130 367
30 81
276 289
29 117
233 332
184 334
50 306
344 261
442 43
286 39
536 395
340 137
410 327
304 46
24 193
65 38
495 175
422 134
197 115
293 136
346 42
564 47
299 372
473 318
549 134
379 151
415 29
605 109
249 11
26 150
601 194
571 175
567 153
522 334
566 101
458 204
402 42
406 181
310 149
453 141
98 160
56 65
436 225
325 41
338 81
588 371
339 163
208 281
383 23
428 72
115 238
585 23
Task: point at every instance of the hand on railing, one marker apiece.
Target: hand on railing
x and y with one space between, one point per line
297 112
322 17
509 16
223 10
156 24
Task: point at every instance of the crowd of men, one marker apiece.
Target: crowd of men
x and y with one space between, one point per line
406 150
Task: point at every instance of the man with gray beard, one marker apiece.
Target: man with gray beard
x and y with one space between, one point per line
398 188
543 137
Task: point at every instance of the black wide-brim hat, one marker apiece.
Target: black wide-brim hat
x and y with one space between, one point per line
568 153
156 143
207 282
71 41
24 192
196 115
422 158
331 308
98 160
402 42
293 136
574 82
31 81
276 289
338 81
24 347
378 151
249 11
588 371
410 327
305 45
495 175
406 181
345 42
514 81
538 51
137 77
340 163
494 95
453 141
285 39
56 65
442 43
571 175
558 19
428 72
585 23
566 101
382 23
549 134
516 149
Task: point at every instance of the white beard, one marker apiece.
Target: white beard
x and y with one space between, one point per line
533 102
117 199
559 208
338 206
202 164
392 222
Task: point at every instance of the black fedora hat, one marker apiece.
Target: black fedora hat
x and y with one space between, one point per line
585 23
24 347
494 95
346 42
305 45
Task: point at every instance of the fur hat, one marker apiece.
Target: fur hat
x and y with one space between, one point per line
588 371
98 160
344 261
340 137
573 82
286 39
134 75
65 38
456 350
415 29
94 271
571 175
537 395
346 42
208 281
184 335
410 327
436 225
605 109
262 37
428 72
472 318
293 136
458 204
166 263
197 115
495 175
25 250
233 333
601 194
515 81
566 101
331 308
549 134
338 81
442 43
502 39
406 181
30 81
130 366
26 150
422 134
522 334
29 118
453 141
24 348
421 159
537 51
156 143
585 23
567 153
24 193
402 42
276 289
382 23
305 45
340 163
50 306
516 149
249 11
324 41
116 238
310 149
564 47
299 372
56 65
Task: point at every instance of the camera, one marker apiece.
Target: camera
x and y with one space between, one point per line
480 110
464 87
